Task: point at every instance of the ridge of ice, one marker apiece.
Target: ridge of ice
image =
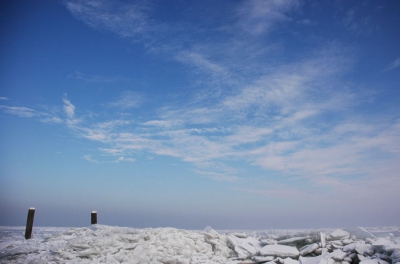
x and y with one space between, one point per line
108 244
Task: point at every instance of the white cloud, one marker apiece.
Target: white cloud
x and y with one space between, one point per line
272 122
69 108
198 60
20 111
127 20
162 123
52 119
123 159
258 16
118 160
4 98
246 134
96 78
128 99
266 115
96 135
89 158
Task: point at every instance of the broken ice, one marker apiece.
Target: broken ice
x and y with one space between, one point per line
107 244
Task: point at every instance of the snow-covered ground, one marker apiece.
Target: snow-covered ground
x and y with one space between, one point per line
109 244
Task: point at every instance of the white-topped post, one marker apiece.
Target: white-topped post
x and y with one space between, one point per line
29 223
94 218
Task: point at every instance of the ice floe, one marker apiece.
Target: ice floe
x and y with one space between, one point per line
108 244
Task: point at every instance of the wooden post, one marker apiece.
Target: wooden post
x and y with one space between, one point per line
94 217
29 223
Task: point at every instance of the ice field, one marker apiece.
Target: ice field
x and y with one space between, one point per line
110 244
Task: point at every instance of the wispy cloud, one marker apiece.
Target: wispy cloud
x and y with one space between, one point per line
96 78
359 20
128 99
4 98
257 16
124 159
162 123
393 65
127 20
89 158
118 160
291 118
69 108
265 123
200 62
307 22
19 111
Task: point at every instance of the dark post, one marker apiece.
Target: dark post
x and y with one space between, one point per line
29 223
94 217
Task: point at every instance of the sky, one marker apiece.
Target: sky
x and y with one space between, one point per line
251 114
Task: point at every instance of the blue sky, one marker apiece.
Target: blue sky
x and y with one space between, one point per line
234 114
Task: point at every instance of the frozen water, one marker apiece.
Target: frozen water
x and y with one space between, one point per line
107 244
339 234
337 255
281 251
308 249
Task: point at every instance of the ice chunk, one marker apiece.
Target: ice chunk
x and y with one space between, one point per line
374 261
395 256
364 249
308 249
290 261
385 245
353 256
339 234
336 244
310 260
267 241
347 241
239 235
323 239
233 241
349 248
244 247
87 252
210 233
391 247
383 256
279 251
380 243
292 240
318 251
337 255
262 258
